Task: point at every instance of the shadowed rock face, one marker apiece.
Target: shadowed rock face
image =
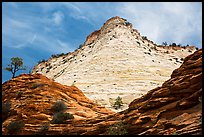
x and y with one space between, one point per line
173 108
115 61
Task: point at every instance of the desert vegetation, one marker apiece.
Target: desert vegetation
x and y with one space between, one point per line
15 127
6 108
16 65
59 106
118 103
118 128
42 61
59 116
43 129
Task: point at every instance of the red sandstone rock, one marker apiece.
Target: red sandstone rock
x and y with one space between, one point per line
173 108
38 95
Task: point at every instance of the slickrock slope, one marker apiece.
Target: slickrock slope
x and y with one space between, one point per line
115 61
32 97
173 108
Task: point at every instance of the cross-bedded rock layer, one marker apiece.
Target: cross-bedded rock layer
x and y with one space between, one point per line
173 108
115 61
32 96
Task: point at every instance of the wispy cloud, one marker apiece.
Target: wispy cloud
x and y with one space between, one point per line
171 22
34 37
56 27
95 13
58 17
73 6
21 29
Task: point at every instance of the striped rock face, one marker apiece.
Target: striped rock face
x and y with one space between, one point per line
115 61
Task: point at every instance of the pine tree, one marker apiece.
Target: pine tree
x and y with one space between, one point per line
16 65
118 103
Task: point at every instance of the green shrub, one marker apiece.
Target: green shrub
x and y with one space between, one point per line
41 61
164 43
68 116
80 46
118 103
127 23
173 45
117 129
6 107
57 55
144 37
15 126
43 129
60 117
59 106
19 94
37 85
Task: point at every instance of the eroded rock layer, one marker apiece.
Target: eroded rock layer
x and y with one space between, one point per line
170 109
115 61
32 96
173 108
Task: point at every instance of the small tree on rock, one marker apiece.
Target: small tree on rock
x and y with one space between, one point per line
118 103
16 65
164 43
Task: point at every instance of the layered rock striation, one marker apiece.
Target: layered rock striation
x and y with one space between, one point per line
115 61
32 97
174 108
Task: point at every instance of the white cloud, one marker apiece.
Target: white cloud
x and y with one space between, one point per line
33 39
79 10
171 22
16 33
58 17
25 30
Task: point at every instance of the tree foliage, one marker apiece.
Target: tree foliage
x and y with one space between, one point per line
6 107
43 129
15 126
164 43
144 37
41 61
59 106
16 65
117 129
60 117
118 103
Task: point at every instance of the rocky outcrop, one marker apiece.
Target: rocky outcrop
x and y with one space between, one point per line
32 96
115 61
175 108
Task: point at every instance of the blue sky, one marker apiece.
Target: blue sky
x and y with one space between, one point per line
36 30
